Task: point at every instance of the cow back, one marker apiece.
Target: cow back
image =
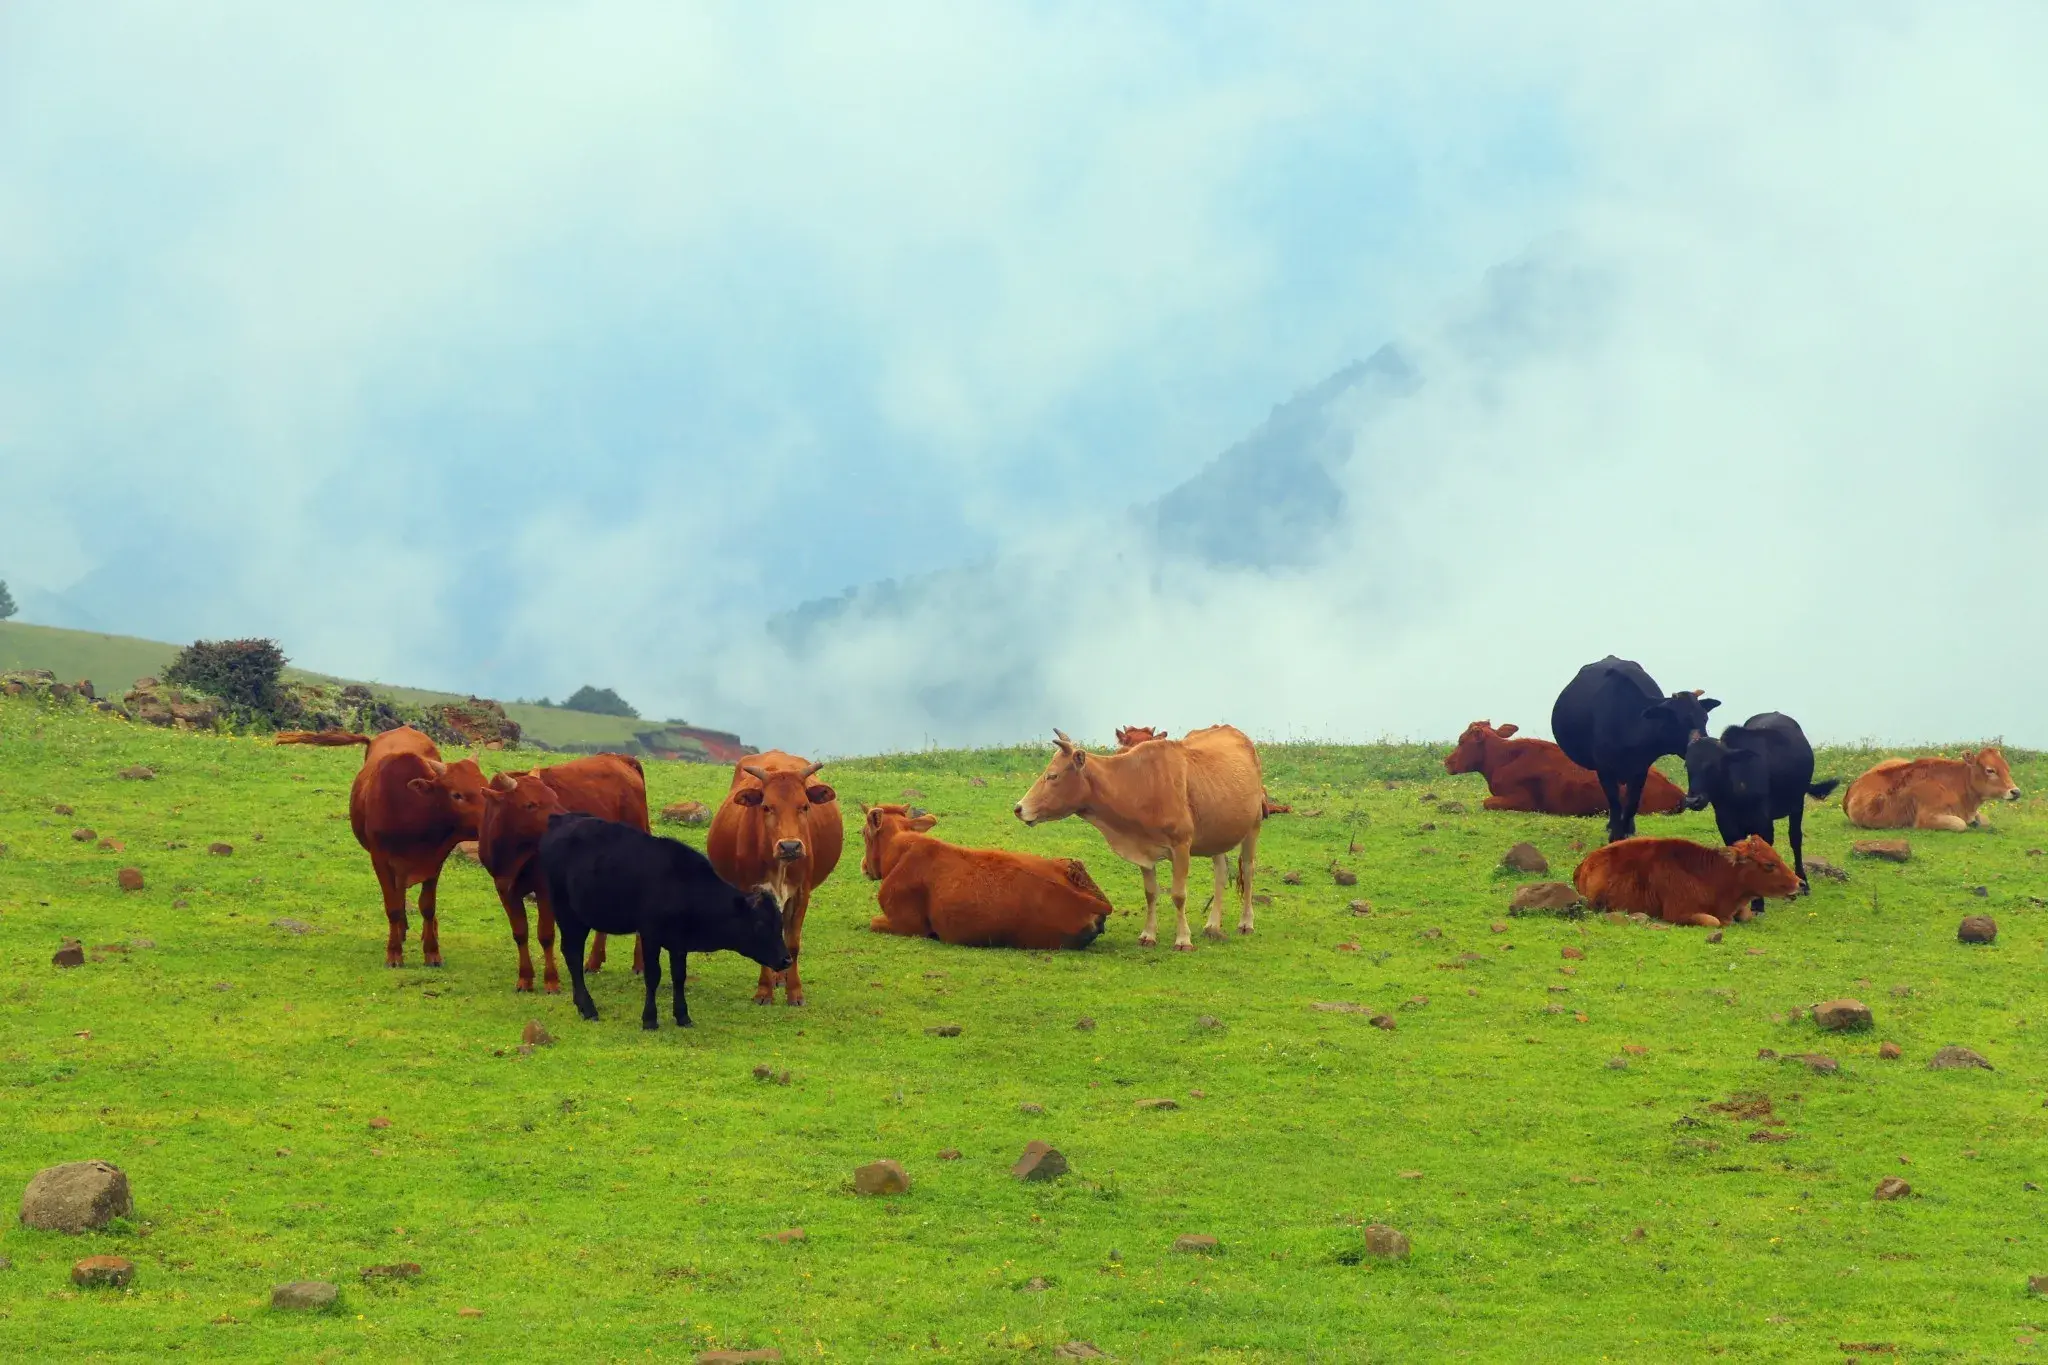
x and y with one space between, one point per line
1225 787
609 786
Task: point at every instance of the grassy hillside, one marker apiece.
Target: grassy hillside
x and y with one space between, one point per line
1589 1155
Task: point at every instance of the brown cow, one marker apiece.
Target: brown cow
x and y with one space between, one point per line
1173 799
1930 793
1131 736
1534 775
974 897
515 816
1682 882
409 810
777 827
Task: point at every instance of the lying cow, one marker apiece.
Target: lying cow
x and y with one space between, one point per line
974 897
1612 718
610 877
1929 793
1165 799
1756 774
1681 882
1131 736
409 810
1534 775
780 827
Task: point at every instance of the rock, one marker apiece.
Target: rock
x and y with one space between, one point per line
1208 1021
77 1196
686 813
113 845
1157 1104
1040 1161
84 836
1197 1244
103 1272
1525 857
881 1177
2037 1284
130 878
1290 878
1890 1051
977 782
1953 1058
728 1357
1343 876
61 810
1497 927
397 1270
300 1295
1385 1243
380 1123
944 1031
1079 1350
1550 897
950 1154
292 926
1575 954
1819 867
1714 937
220 850
786 1236
1382 1021
138 773
1891 1187
1339 1007
1839 1015
1085 1024
72 954
1885 850
1977 929
1360 907
1820 1062
1029 1108
535 1035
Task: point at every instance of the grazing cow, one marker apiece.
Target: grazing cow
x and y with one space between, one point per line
780 828
1930 793
1682 882
606 876
409 810
328 738
609 786
1175 799
1612 718
974 897
1131 736
1755 774
1534 775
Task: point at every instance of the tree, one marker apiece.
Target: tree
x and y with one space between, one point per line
600 701
7 607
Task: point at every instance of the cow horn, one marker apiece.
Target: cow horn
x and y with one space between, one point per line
1061 736
812 769
436 767
751 771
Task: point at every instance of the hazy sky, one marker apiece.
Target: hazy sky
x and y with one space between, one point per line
518 345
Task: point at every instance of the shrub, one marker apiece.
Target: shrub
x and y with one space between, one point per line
7 607
599 701
243 673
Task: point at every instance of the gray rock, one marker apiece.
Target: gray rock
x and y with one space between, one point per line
1953 1058
292 926
1040 1161
304 1294
76 1197
881 1177
1838 1015
1977 929
1525 857
1197 1244
1385 1243
1543 898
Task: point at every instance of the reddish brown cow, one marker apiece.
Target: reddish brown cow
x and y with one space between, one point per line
1930 793
409 810
515 816
1129 737
975 897
777 827
1534 775
1682 882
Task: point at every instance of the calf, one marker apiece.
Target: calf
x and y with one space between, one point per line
1755 774
1929 793
974 897
1534 775
606 876
1612 718
1682 882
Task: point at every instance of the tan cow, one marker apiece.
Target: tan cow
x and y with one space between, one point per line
1929 793
1165 799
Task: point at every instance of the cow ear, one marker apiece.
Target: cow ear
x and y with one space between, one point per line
924 822
751 796
1506 730
1080 757
819 794
422 784
1708 703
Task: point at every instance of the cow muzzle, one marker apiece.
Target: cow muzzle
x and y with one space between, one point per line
2013 795
1018 811
789 850
1695 803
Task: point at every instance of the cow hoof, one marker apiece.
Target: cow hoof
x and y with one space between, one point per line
525 984
1244 929
1183 947
794 1002
1213 931
650 1024
684 1023
553 988
589 1016
1148 940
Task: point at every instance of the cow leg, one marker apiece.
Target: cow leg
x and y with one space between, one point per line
1612 791
596 961
1704 921
515 915
679 963
793 939
572 954
1150 936
764 989
1247 859
1954 823
1183 941
638 960
1745 913
648 1018
393 888
1214 928
550 981
430 926
792 984
1632 796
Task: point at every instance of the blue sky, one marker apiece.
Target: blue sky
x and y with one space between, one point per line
509 347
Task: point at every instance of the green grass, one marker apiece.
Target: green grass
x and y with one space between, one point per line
608 1197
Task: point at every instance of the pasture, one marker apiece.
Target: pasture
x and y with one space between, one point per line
1588 1154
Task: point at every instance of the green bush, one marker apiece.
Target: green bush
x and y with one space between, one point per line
242 673
7 607
601 701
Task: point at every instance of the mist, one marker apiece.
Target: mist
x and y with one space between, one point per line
512 353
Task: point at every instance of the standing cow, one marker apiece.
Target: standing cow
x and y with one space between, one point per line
1755 774
1612 718
779 828
1164 799
409 810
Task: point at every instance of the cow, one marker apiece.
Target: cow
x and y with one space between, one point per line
1930 793
609 786
1171 799
1131 736
409 810
1612 718
780 828
974 897
1681 882
603 875
1755 774
1534 775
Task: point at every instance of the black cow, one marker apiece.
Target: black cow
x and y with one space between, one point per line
1756 773
613 878
1613 718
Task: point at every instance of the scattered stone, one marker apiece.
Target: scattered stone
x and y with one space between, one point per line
1819 867
1079 1350
1953 1058
130 878
304 1294
220 850
950 1154
1029 1108
138 773
1543 897
881 1177
1767 1054
1839 1015
1041 1161
686 813
292 926
1385 1243
76 1196
725 1357
1290 879
113 846
103 1272
1208 1021
1361 907
1820 1063
1431 933
84 836
1196 1243
1158 1104
1497 927
944 1031
1890 1051
1977 929
397 1270
786 1236
1575 954
1714 937
1343 876
380 1122
536 1036
61 810
1617 1063
72 954
1891 1187
1382 1021
1085 1024
1885 850
1525 857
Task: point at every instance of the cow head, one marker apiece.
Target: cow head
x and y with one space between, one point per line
783 800
879 824
1062 789
1716 772
750 923
1470 754
1990 778
1680 719
461 784
1131 736
516 807
1764 872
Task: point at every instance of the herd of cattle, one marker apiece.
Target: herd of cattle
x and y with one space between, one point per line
574 837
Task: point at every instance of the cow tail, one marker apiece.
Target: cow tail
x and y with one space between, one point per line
320 737
1819 790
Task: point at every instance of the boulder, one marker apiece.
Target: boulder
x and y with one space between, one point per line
1977 929
1543 898
398 1270
300 1295
76 1197
130 878
686 813
1953 1058
536 1035
1818 867
72 954
1884 850
1196 1244
881 1177
1839 1015
138 773
1890 1051
1891 1187
1343 876
1385 1243
1157 1104
1525 857
103 1272
1040 1161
